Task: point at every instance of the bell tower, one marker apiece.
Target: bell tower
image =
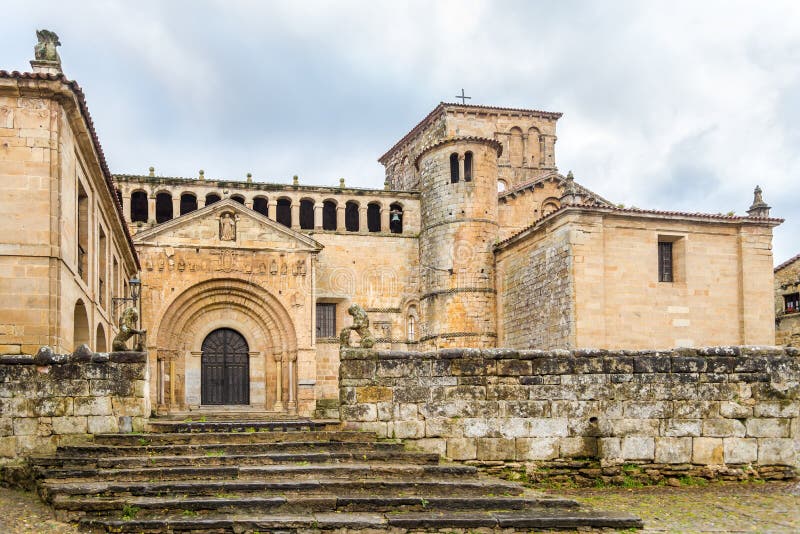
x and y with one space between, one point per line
459 228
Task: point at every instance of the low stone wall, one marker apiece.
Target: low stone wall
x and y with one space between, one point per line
51 399
736 407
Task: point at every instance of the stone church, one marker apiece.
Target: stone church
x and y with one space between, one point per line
474 239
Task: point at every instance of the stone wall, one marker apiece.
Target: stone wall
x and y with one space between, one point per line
787 316
723 406
50 399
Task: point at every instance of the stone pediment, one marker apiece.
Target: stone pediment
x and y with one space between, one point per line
226 223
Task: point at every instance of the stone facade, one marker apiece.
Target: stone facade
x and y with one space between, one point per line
50 399
725 406
69 253
474 240
787 303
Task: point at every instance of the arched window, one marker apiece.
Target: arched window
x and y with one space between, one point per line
188 203
468 167
501 186
100 339
260 205
411 323
211 198
515 147
83 235
80 325
351 216
283 212
453 168
238 198
139 206
374 217
307 214
396 218
329 215
549 206
163 207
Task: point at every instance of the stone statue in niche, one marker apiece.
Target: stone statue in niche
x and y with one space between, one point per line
360 326
45 49
127 329
227 227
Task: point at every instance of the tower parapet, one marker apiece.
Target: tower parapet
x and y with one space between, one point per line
459 227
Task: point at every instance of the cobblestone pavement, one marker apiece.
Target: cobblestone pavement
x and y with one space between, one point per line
23 512
718 507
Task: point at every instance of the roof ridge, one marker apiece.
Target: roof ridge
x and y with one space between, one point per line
787 262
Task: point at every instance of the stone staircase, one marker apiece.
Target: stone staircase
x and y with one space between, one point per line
285 476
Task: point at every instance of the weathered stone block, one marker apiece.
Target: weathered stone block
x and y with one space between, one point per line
513 367
373 394
723 428
536 448
496 449
127 406
784 408
635 427
357 369
778 451
609 448
708 451
102 424
8 447
379 428
740 450
462 448
768 428
549 427
93 406
476 427
6 426
434 445
638 448
582 447
735 410
25 426
406 429
70 425
647 410
673 450
359 412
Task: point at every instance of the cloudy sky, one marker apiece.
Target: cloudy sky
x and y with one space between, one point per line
681 105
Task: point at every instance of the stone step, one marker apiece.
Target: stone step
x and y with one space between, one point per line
307 502
243 426
270 472
223 447
537 518
431 486
213 459
177 438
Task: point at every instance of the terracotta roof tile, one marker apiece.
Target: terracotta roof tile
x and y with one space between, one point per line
787 263
76 89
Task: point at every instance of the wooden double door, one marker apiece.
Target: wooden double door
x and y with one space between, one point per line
225 368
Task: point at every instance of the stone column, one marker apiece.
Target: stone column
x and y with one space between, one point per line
524 150
201 202
151 209
292 404
318 215
272 208
278 382
362 219
385 219
461 176
340 217
295 215
126 207
176 206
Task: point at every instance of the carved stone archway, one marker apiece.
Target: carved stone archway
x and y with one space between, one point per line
226 303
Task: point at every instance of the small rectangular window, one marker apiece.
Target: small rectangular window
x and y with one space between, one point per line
326 320
791 303
665 263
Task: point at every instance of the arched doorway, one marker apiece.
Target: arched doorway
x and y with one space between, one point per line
80 325
225 368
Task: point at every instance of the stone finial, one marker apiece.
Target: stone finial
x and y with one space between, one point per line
202 175
759 208
571 194
152 171
341 183
47 60
295 180
249 178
